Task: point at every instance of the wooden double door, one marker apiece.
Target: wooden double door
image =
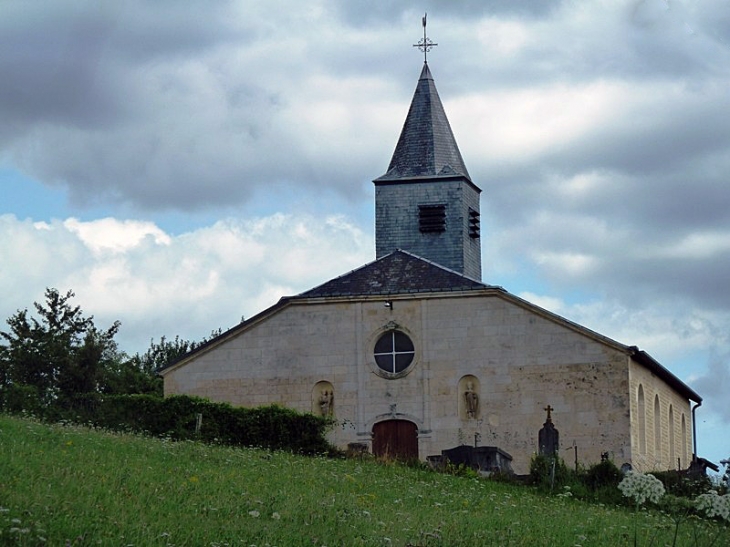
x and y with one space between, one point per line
395 439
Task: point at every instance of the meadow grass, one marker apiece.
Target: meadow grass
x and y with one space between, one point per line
69 485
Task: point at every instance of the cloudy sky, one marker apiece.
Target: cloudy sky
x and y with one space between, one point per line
181 165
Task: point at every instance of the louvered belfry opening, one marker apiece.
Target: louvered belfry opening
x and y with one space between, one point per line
473 224
432 218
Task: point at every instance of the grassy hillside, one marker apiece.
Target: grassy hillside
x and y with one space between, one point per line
66 483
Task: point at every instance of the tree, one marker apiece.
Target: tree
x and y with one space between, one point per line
138 374
52 358
59 354
161 354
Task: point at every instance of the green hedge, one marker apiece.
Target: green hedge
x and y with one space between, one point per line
682 485
273 427
16 399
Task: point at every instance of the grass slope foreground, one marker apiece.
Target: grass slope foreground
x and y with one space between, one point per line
67 485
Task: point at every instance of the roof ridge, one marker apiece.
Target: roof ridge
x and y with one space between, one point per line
440 266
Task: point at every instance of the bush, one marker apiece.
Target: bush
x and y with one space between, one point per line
20 398
547 472
674 505
603 475
682 485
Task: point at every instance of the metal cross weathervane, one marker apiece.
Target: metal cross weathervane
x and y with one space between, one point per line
424 44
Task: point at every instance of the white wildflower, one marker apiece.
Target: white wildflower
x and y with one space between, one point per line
254 514
641 487
275 516
714 505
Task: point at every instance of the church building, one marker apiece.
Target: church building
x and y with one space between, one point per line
412 354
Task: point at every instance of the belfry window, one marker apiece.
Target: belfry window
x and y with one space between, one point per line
394 352
432 218
473 224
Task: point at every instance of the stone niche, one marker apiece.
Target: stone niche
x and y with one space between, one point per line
470 400
323 399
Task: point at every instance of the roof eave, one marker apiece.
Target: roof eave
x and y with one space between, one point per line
386 180
654 366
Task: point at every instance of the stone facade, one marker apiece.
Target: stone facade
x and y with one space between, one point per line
518 357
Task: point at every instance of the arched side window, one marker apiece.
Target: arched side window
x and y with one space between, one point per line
672 452
657 430
641 415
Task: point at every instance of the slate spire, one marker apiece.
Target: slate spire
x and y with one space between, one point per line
426 147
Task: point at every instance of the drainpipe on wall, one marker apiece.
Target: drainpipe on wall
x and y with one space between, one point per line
694 431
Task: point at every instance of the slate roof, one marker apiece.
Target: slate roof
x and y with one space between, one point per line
399 272
426 147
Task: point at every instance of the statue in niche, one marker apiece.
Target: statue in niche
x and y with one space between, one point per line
471 398
326 399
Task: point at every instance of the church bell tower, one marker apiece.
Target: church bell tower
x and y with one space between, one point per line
426 203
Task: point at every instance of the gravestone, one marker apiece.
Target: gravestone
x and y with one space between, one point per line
548 439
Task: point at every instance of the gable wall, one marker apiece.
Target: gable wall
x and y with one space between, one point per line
521 362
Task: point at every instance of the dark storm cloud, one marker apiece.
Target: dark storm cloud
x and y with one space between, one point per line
51 69
670 174
367 13
194 105
715 385
73 62
104 99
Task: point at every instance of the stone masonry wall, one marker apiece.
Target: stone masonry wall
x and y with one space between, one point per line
519 360
658 443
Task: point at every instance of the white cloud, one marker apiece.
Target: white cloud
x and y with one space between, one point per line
109 234
698 245
502 38
528 122
572 263
190 284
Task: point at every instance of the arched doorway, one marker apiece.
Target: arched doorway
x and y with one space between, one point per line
395 439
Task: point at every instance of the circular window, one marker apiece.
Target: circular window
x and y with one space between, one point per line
394 352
